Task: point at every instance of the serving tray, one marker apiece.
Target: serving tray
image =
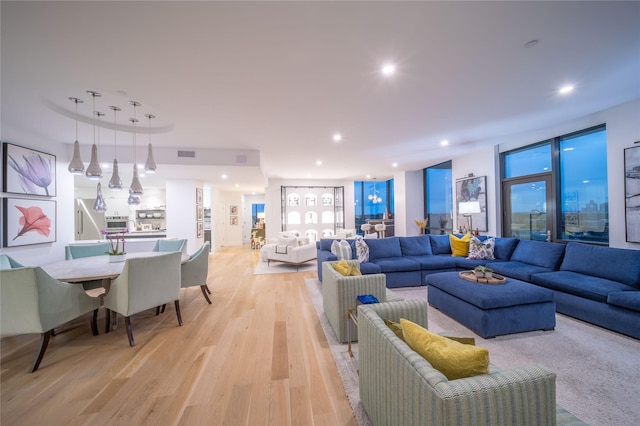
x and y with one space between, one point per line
471 276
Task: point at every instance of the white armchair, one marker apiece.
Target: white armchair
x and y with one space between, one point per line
289 250
145 283
33 302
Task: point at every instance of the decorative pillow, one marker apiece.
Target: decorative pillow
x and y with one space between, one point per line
454 360
287 241
362 249
459 246
481 249
341 249
344 268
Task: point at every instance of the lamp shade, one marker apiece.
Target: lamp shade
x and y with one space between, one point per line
469 207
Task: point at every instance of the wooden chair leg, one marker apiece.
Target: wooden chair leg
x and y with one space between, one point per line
127 322
179 315
204 292
163 306
44 342
107 320
94 323
157 310
207 288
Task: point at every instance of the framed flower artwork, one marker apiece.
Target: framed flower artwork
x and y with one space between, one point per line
28 221
27 171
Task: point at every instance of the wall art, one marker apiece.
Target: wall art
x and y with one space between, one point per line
471 203
632 193
199 229
198 195
28 221
27 171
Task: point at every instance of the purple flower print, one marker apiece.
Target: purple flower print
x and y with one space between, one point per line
36 170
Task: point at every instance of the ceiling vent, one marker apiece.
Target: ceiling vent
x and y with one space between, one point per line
187 154
241 159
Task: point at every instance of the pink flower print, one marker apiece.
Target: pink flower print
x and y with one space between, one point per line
33 219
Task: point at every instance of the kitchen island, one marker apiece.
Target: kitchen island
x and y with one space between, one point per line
134 242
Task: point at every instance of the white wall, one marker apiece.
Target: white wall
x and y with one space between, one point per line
227 234
408 192
181 212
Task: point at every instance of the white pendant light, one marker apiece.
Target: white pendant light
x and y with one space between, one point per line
99 206
94 171
76 166
150 166
115 184
135 190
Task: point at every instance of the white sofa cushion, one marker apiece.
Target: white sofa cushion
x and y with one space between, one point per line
341 249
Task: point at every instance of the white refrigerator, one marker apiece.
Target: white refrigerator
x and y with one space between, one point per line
88 223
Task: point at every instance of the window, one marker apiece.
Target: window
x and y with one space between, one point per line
372 200
438 197
569 172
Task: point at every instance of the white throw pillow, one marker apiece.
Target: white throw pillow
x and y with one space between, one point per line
287 241
341 249
362 249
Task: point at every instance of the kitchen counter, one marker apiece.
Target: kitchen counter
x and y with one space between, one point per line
146 234
135 241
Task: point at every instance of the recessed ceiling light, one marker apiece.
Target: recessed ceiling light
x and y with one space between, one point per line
388 69
444 142
565 90
318 163
223 176
337 137
394 165
237 185
531 43
368 176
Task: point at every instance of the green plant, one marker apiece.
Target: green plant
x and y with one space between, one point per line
482 268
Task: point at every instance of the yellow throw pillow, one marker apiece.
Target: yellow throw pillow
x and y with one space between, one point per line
454 360
343 268
460 246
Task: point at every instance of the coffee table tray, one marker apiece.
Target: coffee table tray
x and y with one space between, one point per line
471 276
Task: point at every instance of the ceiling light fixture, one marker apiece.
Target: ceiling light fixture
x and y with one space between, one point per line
565 90
100 206
444 142
76 166
135 190
373 196
394 164
318 163
337 137
115 184
388 69
94 171
150 165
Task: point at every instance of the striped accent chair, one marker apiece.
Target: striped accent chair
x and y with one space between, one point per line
399 387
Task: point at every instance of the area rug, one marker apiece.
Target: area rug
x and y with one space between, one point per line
597 370
283 268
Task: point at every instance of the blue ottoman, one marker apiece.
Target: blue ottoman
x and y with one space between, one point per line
492 309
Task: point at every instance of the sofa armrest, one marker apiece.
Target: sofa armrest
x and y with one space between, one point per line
340 292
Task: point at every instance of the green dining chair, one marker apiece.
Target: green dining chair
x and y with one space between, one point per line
144 283
86 250
31 301
194 271
170 245
7 262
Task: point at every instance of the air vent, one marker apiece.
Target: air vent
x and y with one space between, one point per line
241 159
187 154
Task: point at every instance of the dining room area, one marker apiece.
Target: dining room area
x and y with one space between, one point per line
252 356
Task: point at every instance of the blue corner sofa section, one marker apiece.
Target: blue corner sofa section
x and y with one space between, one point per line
599 285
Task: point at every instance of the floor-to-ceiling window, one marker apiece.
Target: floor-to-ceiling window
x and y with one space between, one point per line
438 198
372 200
557 189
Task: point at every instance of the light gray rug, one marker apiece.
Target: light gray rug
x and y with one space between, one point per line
598 371
283 268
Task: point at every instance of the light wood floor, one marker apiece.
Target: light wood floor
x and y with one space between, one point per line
256 356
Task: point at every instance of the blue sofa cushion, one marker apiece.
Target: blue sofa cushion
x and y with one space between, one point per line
440 244
504 248
382 248
539 253
416 246
370 268
518 270
622 265
432 262
586 286
625 299
324 244
396 264
464 263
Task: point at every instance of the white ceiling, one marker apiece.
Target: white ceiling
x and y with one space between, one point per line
279 78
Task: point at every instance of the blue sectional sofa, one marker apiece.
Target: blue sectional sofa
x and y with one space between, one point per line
600 285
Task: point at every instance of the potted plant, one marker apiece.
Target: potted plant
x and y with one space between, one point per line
483 272
115 254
